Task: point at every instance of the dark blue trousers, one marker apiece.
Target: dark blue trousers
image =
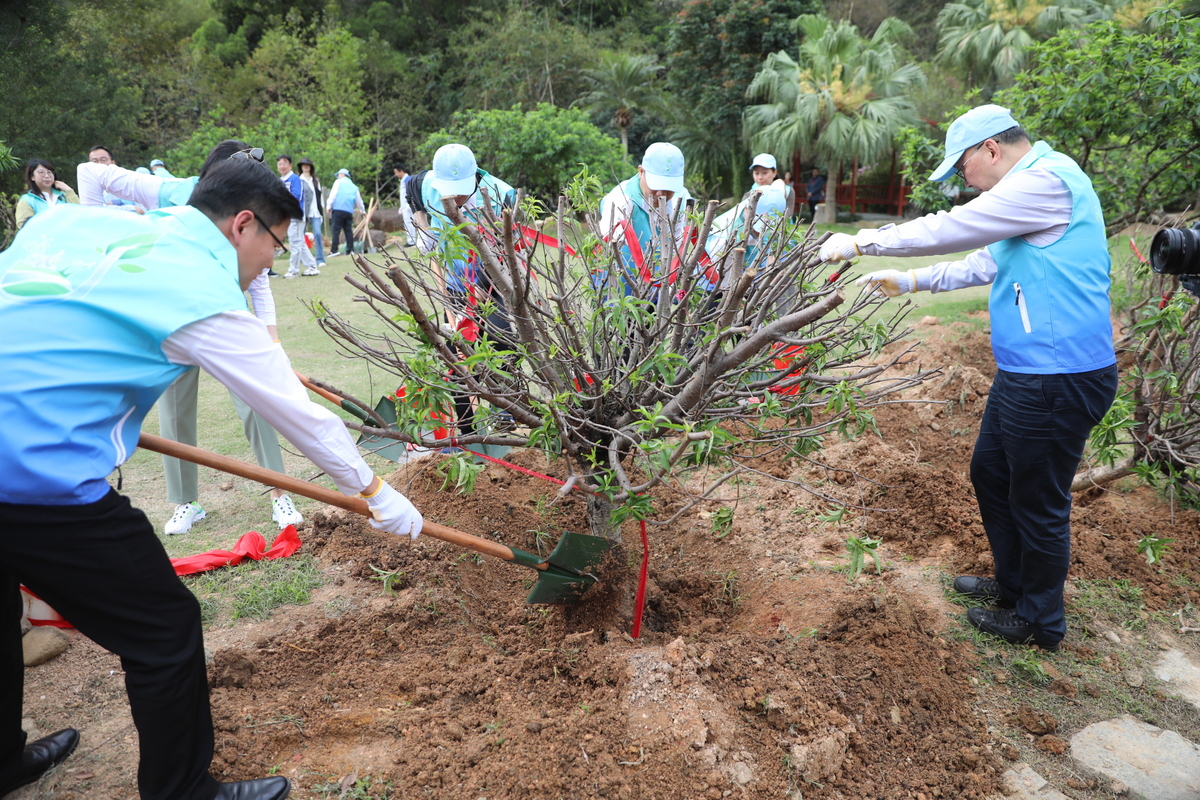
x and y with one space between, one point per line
1030 442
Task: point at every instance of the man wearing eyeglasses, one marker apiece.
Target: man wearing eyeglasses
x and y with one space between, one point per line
1044 252
101 312
177 415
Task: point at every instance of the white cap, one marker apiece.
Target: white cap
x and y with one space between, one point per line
453 172
157 163
764 160
663 163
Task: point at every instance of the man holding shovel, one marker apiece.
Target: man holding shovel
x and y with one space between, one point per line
1046 256
102 311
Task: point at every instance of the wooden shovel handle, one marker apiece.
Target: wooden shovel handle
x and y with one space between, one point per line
312 387
280 481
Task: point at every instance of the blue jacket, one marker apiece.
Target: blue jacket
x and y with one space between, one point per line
1049 305
292 181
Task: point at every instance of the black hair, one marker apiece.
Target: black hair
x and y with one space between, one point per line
221 152
1011 136
400 165
285 156
239 184
33 164
94 148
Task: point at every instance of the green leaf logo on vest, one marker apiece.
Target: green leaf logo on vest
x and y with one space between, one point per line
40 275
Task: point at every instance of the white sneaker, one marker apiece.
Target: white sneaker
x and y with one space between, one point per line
184 517
311 271
291 273
320 265
284 512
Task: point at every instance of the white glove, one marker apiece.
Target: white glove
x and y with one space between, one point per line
839 247
394 513
891 282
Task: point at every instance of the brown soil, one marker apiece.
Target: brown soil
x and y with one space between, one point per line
761 671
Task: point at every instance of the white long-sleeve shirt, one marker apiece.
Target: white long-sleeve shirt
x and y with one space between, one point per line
1031 203
235 348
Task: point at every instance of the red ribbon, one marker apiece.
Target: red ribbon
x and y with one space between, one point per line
251 545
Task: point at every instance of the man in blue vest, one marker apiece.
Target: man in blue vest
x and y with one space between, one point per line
1044 252
102 311
344 199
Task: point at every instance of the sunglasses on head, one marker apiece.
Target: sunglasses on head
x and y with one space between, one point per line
255 153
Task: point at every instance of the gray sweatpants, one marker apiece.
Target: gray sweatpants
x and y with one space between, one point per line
301 255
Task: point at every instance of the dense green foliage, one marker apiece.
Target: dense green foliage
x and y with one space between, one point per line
538 150
1123 104
919 155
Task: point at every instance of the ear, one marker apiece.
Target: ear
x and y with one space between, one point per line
240 225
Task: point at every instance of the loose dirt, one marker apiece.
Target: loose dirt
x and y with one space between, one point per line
762 670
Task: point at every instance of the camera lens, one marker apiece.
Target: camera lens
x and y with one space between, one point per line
1176 251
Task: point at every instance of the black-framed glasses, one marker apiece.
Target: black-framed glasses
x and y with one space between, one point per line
255 153
959 171
267 227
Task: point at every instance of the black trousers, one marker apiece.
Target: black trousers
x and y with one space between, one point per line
1030 442
343 222
101 566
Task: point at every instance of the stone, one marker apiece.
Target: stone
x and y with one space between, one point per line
928 320
1181 675
1148 760
1112 637
1022 783
42 644
1134 678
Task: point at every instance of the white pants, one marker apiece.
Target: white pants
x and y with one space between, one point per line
300 251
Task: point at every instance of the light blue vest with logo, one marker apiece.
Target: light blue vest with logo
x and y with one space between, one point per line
87 297
1049 305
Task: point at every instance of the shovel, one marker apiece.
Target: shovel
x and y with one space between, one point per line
563 576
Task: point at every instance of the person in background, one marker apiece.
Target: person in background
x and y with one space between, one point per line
102 155
1044 251
82 368
45 191
400 170
177 408
625 216
296 247
159 169
816 191
316 223
344 201
764 172
143 171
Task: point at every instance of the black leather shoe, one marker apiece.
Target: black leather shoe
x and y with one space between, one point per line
275 788
985 590
1008 626
41 756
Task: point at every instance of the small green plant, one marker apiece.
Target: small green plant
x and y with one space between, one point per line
1031 668
835 517
722 522
857 549
391 579
542 540
461 471
728 583
1153 548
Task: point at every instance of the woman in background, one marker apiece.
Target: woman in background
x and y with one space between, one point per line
308 174
45 191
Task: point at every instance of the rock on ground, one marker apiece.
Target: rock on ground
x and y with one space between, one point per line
1181 675
1156 763
42 644
1022 783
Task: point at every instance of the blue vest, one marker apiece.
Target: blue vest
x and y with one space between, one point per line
630 191
1049 305
346 194
87 297
39 203
458 268
176 191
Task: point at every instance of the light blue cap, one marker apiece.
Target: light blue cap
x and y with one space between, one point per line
143 170
978 124
453 171
764 160
344 171
157 163
772 203
663 163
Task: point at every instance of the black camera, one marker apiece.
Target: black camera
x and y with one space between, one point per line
1176 251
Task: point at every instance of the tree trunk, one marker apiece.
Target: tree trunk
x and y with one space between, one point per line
600 521
625 140
1099 476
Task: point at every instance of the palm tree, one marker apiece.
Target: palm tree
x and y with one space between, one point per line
622 84
842 100
989 39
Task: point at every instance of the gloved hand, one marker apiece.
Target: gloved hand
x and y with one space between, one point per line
891 282
839 247
394 513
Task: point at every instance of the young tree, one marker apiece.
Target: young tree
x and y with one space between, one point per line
669 385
